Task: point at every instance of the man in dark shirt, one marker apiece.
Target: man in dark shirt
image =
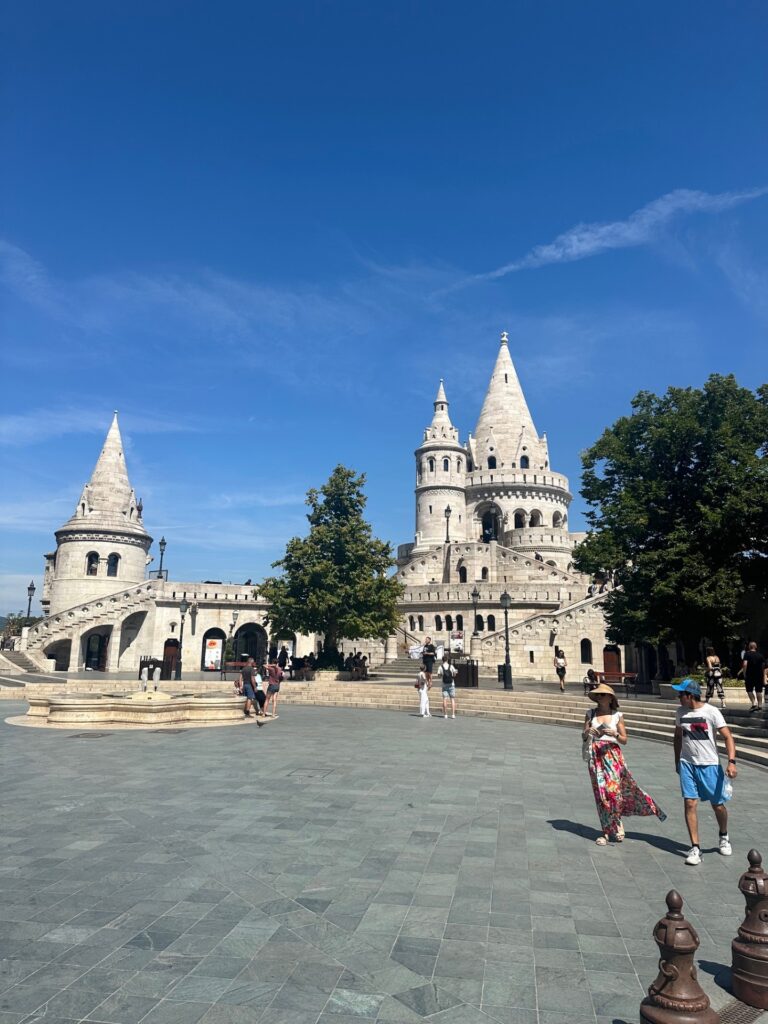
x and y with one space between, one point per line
754 669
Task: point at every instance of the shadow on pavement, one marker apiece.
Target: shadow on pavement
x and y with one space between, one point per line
587 832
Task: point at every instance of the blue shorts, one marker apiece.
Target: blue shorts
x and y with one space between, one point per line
449 690
702 782
249 691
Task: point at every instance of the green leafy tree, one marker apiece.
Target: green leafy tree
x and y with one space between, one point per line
337 580
678 495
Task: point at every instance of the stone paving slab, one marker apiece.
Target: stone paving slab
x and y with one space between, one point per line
343 866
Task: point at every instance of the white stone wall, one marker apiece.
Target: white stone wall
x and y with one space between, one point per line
70 584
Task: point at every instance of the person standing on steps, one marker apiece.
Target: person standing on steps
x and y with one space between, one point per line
714 673
561 665
423 685
697 762
449 673
754 668
428 655
616 793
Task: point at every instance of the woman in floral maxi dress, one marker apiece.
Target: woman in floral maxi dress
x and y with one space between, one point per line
617 795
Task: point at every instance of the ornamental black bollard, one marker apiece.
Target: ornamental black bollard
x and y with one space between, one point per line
676 997
749 952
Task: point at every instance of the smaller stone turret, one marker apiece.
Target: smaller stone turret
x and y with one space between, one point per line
103 546
441 465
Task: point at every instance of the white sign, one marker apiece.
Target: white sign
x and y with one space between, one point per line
457 642
213 652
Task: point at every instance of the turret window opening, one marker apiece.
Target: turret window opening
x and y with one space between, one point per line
586 652
557 520
506 379
491 623
431 465
458 465
484 573
446 465
82 509
462 574
536 519
421 623
430 510
460 622
92 563
449 622
412 622
113 562
491 462
524 462
479 627
438 624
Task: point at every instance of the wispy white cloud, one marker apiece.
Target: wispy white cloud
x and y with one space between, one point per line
37 425
748 281
640 228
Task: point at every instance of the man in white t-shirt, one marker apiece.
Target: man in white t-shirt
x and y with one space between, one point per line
697 762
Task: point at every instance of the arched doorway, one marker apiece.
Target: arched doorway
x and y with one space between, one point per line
491 522
611 658
212 652
95 647
250 641
60 652
129 633
170 657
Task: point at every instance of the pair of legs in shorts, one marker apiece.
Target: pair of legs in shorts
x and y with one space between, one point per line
755 694
704 782
449 694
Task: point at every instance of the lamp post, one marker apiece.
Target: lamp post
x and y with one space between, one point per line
183 608
475 595
447 524
506 604
232 625
30 594
162 544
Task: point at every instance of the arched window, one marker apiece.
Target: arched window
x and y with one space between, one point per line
557 520
438 624
112 564
82 509
491 462
491 623
446 465
92 563
419 473
536 519
458 465
421 623
479 623
412 622
519 520
469 465
431 464
462 574
524 462
460 622
449 622
586 652
484 573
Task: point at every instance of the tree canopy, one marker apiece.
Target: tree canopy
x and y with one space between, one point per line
678 496
337 580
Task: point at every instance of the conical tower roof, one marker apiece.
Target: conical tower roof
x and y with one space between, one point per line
441 429
108 500
505 427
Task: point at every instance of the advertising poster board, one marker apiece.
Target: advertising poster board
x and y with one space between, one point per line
457 642
213 651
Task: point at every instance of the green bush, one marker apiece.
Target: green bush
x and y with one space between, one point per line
702 681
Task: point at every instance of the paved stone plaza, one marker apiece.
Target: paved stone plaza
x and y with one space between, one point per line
342 866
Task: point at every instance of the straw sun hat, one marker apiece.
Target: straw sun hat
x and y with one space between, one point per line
604 688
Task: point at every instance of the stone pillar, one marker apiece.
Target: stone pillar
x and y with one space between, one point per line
749 951
74 652
475 647
676 997
113 650
390 648
23 639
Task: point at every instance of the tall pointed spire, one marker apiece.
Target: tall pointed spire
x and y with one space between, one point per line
505 430
108 498
441 427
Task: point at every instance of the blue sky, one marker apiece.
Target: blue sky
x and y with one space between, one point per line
263 232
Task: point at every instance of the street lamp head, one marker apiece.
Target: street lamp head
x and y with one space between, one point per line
184 606
475 594
447 511
235 615
31 589
162 544
505 601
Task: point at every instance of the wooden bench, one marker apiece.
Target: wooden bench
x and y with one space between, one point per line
616 679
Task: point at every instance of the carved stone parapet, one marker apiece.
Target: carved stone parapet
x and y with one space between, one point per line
676 997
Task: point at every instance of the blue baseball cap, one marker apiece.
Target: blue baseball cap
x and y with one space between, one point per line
688 686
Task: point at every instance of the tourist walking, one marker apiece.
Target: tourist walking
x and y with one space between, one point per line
282 658
261 696
617 795
449 673
590 681
697 762
423 685
274 678
428 655
755 670
561 665
714 673
248 681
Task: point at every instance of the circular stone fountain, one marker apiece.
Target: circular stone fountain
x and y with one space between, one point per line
142 710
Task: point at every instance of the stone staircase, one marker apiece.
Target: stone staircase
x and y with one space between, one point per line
21 661
646 719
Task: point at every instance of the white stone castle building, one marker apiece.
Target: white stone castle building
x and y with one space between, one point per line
492 517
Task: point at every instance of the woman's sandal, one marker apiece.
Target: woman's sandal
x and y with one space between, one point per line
620 835
601 841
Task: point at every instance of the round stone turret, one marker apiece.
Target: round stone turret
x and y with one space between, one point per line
441 464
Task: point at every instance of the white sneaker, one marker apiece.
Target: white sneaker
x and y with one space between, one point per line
725 846
453 716
694 856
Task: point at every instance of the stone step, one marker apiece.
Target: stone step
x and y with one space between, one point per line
21 661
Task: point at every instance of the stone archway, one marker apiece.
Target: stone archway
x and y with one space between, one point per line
212 650
250 641
60 651
130 631
94 647
490 520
